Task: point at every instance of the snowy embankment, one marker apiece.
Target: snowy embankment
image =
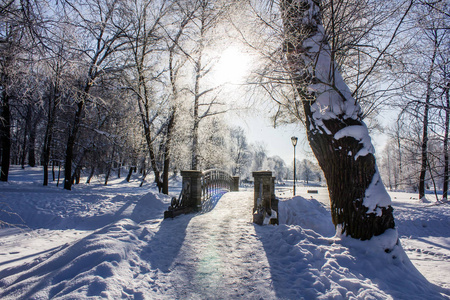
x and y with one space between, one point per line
112 242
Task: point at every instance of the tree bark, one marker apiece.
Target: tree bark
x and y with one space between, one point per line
5 135
130 172
424 147
68 180
446 158
32 144
195 155
26 128
167 146
360 205
48 137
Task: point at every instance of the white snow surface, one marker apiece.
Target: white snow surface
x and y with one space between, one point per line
111 242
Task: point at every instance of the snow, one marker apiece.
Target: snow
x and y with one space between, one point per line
360 133
376 195
112 242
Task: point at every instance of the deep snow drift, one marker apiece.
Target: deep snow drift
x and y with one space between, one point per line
111 242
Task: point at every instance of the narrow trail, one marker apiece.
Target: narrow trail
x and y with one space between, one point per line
221 252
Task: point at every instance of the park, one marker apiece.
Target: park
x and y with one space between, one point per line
214 149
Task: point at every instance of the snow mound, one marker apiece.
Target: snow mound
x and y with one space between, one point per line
309 214
86 268
331 268
150 206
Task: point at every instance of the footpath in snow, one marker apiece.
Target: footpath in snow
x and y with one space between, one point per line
220 254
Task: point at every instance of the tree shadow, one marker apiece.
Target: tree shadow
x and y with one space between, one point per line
164 246
433 243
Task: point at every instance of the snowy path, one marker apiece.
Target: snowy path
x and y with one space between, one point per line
112 243
220 252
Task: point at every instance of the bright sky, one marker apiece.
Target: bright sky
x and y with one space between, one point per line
276 140
232 68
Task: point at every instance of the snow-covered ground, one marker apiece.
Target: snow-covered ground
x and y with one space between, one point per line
111 241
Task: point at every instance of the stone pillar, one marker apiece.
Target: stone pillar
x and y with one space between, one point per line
235 185
192 181
274 204
262 196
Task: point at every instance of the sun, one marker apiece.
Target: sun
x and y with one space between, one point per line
232 67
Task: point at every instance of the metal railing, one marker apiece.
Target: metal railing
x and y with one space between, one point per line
214 182
199 189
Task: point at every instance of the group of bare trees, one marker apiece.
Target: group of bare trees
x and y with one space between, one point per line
416 157
341 64
96 85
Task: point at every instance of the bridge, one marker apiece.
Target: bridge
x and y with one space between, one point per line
200 187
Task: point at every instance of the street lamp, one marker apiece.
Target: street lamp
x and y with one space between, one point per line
294 140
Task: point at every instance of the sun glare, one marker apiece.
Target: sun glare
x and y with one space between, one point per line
233 66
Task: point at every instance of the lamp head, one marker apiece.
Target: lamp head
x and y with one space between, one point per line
294 140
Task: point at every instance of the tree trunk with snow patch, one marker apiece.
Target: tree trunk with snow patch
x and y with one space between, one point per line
360 205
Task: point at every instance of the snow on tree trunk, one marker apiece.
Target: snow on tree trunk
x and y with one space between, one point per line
360 205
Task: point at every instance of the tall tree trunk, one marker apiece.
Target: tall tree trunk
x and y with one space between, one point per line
446 158
197 95
424 147
68 179
48 138
110 165
167 146
25 135
91 174
130 172
144 103
195 150
5 135
195 156
360 205
32 144
399 176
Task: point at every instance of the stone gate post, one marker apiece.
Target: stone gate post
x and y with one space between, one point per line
235 184
262 195
192 180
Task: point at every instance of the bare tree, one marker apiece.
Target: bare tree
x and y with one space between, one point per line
207 15
143 39
240 152
424 86
360 205
103 40
14 35
423 170
177 59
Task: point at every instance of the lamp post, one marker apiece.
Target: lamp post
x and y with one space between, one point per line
294 140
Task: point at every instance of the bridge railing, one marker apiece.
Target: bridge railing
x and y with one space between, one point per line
198 187
215 181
